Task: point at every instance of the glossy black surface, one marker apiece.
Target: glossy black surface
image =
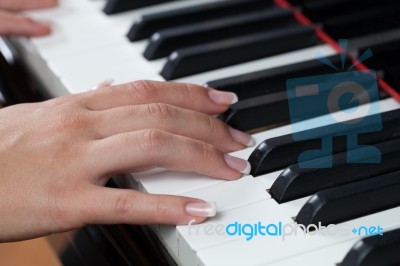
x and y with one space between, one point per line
172 39
376 19
296 182
386 61
343 19
254 113
117 6
210 56
283 151
149 24
16 84
273 109
272 80
375 250
343 203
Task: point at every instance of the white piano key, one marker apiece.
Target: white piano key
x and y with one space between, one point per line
89 63
233 194
168 236
122 65
265 250
198 237
76 29
80 26
330 256
173 183
125 75
226 195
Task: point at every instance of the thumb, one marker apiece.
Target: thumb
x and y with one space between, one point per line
15 24
111 206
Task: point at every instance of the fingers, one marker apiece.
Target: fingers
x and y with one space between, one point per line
16 5
187 96
175 120
112 206
14 24
130 151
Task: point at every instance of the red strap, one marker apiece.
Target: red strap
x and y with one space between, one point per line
325 38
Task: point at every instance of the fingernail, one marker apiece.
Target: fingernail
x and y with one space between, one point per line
238 164
107 82
201 209
242 137
223 97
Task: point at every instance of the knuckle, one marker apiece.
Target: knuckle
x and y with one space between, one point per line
205 152
74 120
212 126
160 111
144 89
61 101
122 203
189 90
153 139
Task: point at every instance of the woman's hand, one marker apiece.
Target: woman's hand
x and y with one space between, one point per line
55 156
17 5
17 24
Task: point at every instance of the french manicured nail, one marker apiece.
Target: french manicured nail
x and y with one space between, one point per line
223 97
107 82
242 137
201 209
238 164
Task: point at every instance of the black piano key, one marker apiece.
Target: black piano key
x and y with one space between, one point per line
321 10
296 182
149 24
375 250
364 22
273 109
210 56
384 54
254 113
386 60
166 41
273 80
391 75
343 203
117 6
279 152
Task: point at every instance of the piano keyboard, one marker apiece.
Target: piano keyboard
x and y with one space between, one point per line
251 47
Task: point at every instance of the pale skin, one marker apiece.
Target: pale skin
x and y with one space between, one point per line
56 156
12 23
